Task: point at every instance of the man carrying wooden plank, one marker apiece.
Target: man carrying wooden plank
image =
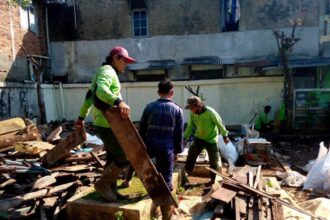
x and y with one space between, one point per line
105 92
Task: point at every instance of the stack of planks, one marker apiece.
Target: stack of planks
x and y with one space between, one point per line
250 197
38 177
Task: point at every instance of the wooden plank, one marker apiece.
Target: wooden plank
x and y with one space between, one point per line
99 162
26 134
240 207
11 125
225 193
135 150
75 168
264 194
32 147
237 209
277 211
5 204
63 148
55 135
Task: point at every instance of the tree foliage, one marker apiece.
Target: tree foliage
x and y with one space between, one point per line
23 3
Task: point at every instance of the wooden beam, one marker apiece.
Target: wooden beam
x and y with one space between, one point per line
63 148
226 194
5 204
26 134
261 193
135 150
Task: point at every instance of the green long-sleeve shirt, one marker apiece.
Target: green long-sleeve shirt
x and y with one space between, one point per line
261 120
107 90
207 126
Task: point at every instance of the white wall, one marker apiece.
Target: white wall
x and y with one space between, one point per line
232 98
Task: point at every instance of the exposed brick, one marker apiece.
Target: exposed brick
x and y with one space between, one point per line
34 43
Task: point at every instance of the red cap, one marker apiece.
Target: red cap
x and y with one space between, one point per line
122 52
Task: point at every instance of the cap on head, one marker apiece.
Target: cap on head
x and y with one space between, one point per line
121 52
193 101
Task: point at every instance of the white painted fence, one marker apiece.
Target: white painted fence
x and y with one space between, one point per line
234 98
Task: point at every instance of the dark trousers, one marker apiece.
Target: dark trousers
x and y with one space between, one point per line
196 148
164 165
113 149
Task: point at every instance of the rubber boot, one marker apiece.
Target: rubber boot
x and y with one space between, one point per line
109 177
118 195
167 211
155 211
129 176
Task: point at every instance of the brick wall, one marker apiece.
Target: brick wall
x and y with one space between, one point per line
13 65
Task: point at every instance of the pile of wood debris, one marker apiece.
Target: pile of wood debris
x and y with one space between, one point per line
271 189
41 168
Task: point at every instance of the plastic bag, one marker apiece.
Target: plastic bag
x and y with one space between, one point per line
239 143
227 151
319 175
251 133
93 139
294 179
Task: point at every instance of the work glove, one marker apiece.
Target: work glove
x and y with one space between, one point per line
79 126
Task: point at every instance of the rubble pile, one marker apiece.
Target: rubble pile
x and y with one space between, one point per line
42 167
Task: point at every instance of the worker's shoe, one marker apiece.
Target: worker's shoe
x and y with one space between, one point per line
155 211
118 195
109 177
167 211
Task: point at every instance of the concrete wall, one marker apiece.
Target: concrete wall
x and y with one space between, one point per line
81 58
234 99
241 94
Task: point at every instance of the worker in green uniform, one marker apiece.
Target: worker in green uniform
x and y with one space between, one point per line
105 92
263 123
207 125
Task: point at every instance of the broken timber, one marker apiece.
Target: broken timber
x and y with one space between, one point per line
28 133
63 147
135 150
264 194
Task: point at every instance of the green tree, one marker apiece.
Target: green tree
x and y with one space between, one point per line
23 3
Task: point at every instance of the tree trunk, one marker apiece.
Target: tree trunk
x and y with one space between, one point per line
288 89
41 103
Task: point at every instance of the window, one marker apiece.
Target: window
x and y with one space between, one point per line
230 15
198 72
29 18
325 28
304 77
139 23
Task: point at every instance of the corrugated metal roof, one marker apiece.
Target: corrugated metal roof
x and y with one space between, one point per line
261 61
207 60
299 62
152 65
308 62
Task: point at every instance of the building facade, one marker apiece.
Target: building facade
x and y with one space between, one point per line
20 27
